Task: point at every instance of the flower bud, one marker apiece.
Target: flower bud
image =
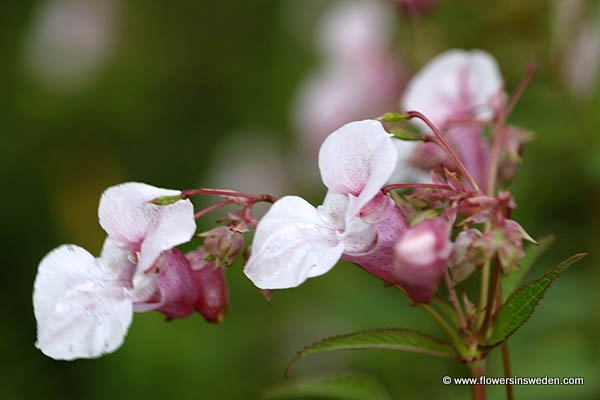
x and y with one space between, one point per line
176 294
421 256
466 255
213 294
224 244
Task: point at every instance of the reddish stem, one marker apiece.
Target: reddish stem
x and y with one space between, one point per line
227 193
444 143
529 72
393 186
501 126
213 207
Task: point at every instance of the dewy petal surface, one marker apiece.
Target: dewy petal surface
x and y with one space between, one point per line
81 308
357 159
292 243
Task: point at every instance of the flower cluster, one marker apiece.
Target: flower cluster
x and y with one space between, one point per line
449 226
84 304
405 240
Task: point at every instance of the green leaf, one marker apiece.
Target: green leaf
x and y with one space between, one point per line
393 117
390 339
342 387
521 304
403 134
511 281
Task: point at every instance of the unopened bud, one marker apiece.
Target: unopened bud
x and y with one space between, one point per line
213 294
421 256
223 243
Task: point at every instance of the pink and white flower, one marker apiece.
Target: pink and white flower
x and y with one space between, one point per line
83 305
458 91
295 241
456 85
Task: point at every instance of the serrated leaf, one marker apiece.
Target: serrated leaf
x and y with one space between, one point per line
511 281
390 339
521 304
403 134
341 387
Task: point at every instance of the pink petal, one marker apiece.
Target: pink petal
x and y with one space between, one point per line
455 84
379 260
421 257
177 290
292 243
357 159
82 309
213 299
350 30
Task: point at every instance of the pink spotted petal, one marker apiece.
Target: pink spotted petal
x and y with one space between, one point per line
379 260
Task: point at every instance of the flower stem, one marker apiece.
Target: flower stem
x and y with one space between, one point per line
213 207
501 126
504 348
454 300
451 332
227 193
507 370
477 369
444 143
456 340
489 305
393 186
484 287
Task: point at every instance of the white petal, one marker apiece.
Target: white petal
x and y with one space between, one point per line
357 159
128 216
122 261
484 81
175 226
334 209
357 234
292 243
125 212
82 311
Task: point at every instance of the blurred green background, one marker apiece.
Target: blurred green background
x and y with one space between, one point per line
171 89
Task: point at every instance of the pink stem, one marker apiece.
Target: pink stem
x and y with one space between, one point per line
227 193
393 186
501 125
444 143
213 207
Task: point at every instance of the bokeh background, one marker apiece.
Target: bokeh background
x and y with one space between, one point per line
194 93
